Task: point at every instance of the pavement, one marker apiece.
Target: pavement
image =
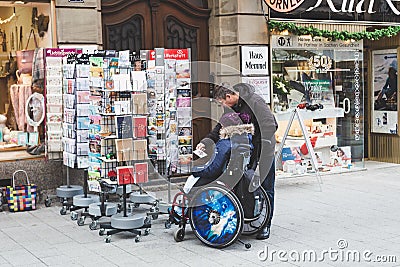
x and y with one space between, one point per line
353 221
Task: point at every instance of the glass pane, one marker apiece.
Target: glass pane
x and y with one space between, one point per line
325 81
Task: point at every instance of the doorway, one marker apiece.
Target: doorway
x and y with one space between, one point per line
148 24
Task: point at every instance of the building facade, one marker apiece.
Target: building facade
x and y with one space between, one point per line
222 32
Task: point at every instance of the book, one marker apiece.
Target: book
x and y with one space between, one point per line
125 175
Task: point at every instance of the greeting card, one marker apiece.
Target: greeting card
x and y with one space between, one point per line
125 175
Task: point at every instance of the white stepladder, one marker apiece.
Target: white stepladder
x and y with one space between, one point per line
296 114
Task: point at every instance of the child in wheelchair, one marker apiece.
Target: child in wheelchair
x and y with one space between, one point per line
226 166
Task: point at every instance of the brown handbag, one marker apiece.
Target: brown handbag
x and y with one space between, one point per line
25 57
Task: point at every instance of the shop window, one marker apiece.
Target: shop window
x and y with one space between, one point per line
20 25
327 77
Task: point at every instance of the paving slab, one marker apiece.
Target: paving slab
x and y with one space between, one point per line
360 210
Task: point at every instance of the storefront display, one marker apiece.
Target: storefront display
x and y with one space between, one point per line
21 76
323 79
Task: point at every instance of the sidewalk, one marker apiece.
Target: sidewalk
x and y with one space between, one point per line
355 214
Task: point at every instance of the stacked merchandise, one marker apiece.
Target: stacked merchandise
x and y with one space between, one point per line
76 111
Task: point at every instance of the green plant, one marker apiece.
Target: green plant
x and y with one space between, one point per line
295 29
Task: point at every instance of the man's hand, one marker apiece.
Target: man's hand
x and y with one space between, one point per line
201 146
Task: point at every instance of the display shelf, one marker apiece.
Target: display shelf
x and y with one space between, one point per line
316 114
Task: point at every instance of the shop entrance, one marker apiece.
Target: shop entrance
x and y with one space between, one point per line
148 24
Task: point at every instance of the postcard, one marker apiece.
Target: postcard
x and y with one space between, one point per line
139 80
83 123
83 97
82 149
54 117
22 139
122 107
82 84
82 71
183 83
83 109
184 102
182 69
54 89
82 162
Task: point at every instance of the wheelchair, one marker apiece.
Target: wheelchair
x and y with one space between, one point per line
216 212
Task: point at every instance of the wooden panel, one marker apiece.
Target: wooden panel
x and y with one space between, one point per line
81 29
384 148
87 3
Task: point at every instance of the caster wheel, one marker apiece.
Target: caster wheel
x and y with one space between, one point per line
147 221
179 234
101 232
63 211
146 232
167 225
107 239
137 239
247 245
93 225
81 221
74 216
47 202
154 216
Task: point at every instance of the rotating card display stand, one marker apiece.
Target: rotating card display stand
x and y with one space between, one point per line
76 129
124 222
102 209
83 202
66 193
297 114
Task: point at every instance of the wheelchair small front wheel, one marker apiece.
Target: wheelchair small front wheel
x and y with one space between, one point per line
216 216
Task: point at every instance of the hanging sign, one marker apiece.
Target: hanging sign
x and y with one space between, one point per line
254 60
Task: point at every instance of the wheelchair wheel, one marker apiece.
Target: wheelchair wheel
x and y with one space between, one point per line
216 216
261 213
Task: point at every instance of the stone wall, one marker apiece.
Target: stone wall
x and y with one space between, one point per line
234 23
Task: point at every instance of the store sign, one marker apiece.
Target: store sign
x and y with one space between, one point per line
320 63
61 52
308 42
176 54
254 60
284 6
347 10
